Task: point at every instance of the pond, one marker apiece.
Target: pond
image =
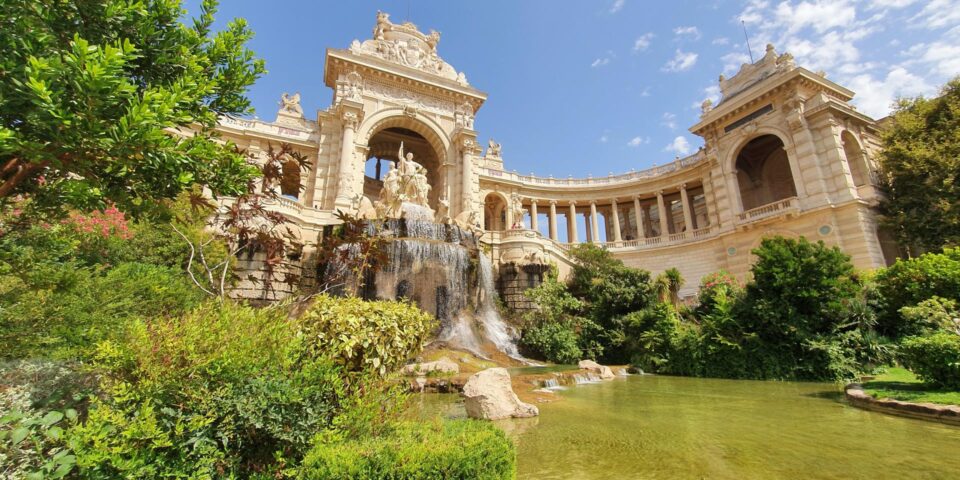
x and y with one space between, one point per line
673 427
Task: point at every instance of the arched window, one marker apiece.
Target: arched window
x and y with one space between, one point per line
855 159
763 172
494 213
290 180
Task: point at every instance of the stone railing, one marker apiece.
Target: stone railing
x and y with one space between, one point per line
643 243
775 209
590 181
260 126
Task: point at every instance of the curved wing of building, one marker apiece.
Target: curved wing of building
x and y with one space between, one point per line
785 153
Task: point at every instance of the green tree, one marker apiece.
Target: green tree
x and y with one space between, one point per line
921 159
90 90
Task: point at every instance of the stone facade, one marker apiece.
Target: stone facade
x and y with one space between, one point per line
785 153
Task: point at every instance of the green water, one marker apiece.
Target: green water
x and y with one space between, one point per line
671 427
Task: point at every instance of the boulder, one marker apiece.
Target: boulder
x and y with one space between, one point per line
602 371
489 395
444 365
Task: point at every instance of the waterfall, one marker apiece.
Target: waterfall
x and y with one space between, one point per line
497 331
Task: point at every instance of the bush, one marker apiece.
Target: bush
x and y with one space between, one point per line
649 336
84 306
935 358
906 283
932 315
225 390
457 449
380 336
554 341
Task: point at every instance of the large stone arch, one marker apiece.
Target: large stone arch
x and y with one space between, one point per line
763 171
395 121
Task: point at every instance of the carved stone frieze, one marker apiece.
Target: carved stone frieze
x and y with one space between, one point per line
408 98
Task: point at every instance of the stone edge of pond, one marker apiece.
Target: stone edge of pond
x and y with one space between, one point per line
947 414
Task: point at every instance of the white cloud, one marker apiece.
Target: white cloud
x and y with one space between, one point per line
604 138
941 58
720 41
938 14
642 42
600 62
687 32
669 120
637 141
679 145
617 6
680 62
875 96
819 15
877 4
733 61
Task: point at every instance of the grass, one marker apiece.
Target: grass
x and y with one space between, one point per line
901 384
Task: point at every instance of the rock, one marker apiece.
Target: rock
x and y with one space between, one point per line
444 365
593 367
489 395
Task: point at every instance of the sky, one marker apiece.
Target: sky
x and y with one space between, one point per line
578 88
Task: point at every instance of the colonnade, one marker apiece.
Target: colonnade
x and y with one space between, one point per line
613 209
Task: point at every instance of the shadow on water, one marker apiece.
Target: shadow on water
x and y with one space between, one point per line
827 395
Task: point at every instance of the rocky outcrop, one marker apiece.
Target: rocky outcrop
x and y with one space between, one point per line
444 365
489 395
949 414
602 371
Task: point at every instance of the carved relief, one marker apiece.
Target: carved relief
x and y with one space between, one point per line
291 104
464 116
408 98
406 45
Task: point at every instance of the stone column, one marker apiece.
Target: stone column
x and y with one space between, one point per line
572 224
344 187
533 215
553 220
662 208
594 224
616 220
687 212
508 215
638 216
469 147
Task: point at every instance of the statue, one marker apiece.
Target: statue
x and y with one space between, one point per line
405 183
383 24
517 210
291 104
493 148
433 39
706 106
468 221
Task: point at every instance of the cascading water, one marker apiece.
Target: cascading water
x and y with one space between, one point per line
430 264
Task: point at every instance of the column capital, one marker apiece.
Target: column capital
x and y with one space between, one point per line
659 193
350 119
533 201
593 203
613 201
553 202
573 203
683 186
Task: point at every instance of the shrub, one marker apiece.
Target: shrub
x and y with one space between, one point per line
649 336
713 285
455 449
84 306
931 315
935 358
225 390
554 341
361 335
906 283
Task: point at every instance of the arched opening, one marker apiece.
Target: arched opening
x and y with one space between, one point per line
855 159
384 152
763 172
494 212
290 179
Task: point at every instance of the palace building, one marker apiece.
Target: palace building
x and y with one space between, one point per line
785 153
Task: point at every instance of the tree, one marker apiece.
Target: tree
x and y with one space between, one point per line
90 92
921 160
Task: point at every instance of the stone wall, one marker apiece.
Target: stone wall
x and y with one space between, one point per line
513 280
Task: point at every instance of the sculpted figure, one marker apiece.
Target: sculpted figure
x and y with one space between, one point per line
406 164
291 104
706 106
493 148
433 39
383 24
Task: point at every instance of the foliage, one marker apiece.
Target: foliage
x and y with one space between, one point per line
378 336
667 286
459 449
931 315
225 390
649 335
713 285
935 358
91 89
906 283
246 224
555 341
76 307
921 160
608 289
349 254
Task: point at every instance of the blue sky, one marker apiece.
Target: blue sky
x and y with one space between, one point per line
588 88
